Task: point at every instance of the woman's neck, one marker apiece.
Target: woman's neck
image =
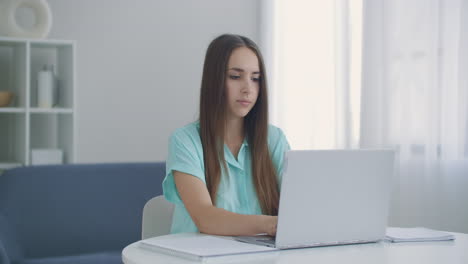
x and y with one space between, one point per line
234 133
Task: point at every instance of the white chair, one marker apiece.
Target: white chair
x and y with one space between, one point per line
157 217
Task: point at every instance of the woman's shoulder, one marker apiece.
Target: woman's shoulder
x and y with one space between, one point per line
187 133
275 135
188 129
274 132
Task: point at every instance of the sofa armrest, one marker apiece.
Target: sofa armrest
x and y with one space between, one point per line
3 254
9 248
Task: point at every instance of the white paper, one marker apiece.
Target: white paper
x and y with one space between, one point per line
203 246
398 234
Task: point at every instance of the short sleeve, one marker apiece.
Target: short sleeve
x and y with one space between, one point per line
184 155
278 147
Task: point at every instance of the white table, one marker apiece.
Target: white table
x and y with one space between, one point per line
453 252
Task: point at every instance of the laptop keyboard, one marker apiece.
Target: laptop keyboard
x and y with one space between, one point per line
270 241
258 240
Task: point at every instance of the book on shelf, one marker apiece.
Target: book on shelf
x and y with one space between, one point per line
416 234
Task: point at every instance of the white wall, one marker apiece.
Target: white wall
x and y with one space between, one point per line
139 66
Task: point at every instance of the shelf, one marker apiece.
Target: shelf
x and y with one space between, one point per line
13 65
12 110
37 110
60 56
12 135
24 126
51 43
52 132
5 165
38 41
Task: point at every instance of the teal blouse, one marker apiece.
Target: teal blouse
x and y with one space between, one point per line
236 194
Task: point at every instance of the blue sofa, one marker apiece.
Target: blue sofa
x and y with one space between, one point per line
81 213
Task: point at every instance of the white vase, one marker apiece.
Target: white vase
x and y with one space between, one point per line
46 88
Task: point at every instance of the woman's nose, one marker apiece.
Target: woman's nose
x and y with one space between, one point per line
247 86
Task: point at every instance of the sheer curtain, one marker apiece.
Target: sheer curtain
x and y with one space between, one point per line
312 51
415 99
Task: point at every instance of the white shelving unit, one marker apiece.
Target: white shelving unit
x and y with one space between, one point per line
23 125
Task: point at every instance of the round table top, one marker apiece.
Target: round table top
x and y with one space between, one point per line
454 252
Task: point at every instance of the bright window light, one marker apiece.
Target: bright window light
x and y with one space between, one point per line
305 75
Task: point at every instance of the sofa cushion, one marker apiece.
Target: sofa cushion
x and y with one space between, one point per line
9 248
114 257
61 210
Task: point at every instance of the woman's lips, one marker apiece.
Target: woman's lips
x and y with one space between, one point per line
244 102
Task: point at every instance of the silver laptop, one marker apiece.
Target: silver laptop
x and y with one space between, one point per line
332 197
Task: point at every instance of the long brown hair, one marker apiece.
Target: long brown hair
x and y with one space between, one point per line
213 101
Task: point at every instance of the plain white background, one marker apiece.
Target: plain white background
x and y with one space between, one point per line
139 66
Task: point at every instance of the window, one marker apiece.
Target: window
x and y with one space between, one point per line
315 61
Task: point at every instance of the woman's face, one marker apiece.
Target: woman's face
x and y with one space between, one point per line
242 82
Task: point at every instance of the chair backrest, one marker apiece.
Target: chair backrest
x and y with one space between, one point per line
157 217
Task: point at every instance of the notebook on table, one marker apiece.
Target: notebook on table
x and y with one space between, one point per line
201 247
416 234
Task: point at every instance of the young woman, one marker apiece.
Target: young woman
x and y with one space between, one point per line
223 172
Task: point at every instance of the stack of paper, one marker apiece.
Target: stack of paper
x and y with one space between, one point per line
200 247
416 234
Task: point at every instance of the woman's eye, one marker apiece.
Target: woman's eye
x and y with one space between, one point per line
234 77
256 79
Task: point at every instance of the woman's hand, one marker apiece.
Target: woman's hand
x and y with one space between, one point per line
270 225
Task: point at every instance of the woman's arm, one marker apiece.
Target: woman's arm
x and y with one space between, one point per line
216 221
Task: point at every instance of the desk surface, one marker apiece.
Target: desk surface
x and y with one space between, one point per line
454 252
